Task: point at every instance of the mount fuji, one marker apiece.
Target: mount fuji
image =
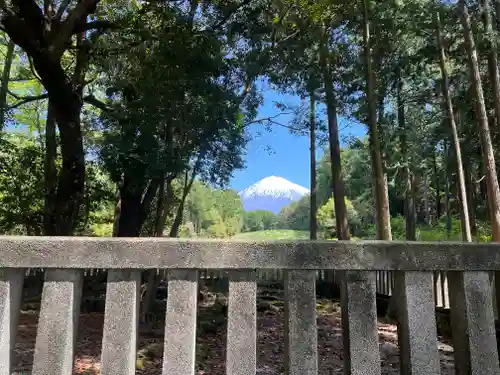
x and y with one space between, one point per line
271 194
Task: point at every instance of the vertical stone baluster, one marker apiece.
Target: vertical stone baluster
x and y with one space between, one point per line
121 319
417 325
241 356
359 323
58 322
11 291
473 323
301 331
180 323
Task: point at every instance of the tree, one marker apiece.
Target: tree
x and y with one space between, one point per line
491 48
379 178
456 142
334 144
21 185
313 24
171 108
482 121
45 35
313 224
9 57
259 220
327 222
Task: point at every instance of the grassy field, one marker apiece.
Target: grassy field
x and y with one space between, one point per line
275 234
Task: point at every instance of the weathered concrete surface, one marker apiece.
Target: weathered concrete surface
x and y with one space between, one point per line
113 253
180 323
472 321
58 322
301 332
359 323
121 319
11 289
241 358
417 330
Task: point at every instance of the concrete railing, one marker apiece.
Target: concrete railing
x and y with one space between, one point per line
64 259
384 279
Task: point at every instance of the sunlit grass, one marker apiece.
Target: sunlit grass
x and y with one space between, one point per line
274 234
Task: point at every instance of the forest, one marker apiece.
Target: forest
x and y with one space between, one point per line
128 118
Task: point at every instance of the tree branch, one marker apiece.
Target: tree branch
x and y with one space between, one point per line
47 5
92 100
62 8
21 31
229 15
32 68
267 119
30 12
25 99
263 57
271 120
94 25
81 11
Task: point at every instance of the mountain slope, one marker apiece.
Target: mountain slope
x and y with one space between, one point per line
271 194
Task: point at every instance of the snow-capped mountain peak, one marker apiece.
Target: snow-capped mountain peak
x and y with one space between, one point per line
271 193
274 186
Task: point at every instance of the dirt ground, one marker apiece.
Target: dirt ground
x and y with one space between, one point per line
211 338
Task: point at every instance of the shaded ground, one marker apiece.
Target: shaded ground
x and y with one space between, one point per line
211 342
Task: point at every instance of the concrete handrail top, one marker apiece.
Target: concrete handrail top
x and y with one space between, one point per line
142 253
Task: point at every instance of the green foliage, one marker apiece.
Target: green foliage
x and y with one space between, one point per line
296 215
22 189
21 185
169 102
259 220
435 232
326 218
212 213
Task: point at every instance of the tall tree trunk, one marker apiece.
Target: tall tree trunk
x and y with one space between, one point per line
426 199
66 97
409 203
438 187
410 211
148 298
50 173
383 223
481 181
160 207
447 191
135 204
65 93
118 210
193 6
464 207
415 182
9 58
484 131
169 197
313 224
470 199
497 15
342 226
188 183
381 133
491 48
71 180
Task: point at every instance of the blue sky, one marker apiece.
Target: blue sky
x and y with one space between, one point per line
279 152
